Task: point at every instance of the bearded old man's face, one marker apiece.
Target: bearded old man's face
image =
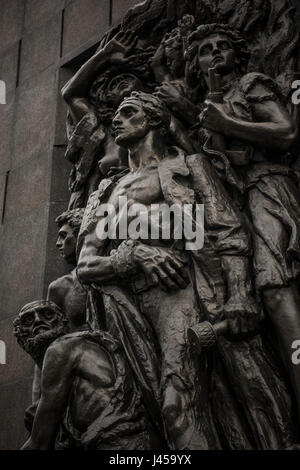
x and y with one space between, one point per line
38 327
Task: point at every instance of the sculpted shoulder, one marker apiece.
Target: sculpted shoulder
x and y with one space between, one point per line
62 282
258 87
59 288
83 354
65 349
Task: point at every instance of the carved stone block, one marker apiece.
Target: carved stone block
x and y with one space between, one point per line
40 48
83 19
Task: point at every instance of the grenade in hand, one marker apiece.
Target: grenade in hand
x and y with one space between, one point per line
205 335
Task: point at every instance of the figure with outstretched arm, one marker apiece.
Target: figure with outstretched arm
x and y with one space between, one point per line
168 67
114 53
92 95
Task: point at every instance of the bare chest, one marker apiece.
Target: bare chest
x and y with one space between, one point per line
139 188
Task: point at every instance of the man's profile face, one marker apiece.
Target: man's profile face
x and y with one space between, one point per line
66 243
216 51
130 124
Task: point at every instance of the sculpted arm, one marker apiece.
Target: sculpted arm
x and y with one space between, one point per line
56 293
159 265
274 128
76 91
91 267
160 70
56 383
182 107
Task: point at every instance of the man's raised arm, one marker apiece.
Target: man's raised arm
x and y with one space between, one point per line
76 90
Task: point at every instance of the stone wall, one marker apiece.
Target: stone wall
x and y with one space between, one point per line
37 39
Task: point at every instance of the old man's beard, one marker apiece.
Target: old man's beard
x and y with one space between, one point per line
38 345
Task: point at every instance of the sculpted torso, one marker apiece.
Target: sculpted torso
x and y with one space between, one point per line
70 297
92 387
113 155
142 187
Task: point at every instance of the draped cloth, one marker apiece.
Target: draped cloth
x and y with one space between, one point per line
124 321
121 423
272 194
248 395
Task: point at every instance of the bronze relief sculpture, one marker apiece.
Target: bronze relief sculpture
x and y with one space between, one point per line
193 341
96 405
257 135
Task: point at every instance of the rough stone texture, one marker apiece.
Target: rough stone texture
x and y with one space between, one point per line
120 8
40 48
22 255
15 397
9 66
29 196
34 118
6 130
11 23
83 19
18 366
37 11
2 192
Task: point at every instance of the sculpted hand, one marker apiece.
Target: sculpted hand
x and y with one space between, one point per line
120 46
161 266
158 57
214 118
167 91
243 315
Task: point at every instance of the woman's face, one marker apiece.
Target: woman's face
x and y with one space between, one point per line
122 86
216 51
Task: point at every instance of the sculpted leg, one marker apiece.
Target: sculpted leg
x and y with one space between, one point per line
227 233
184 382
277 267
